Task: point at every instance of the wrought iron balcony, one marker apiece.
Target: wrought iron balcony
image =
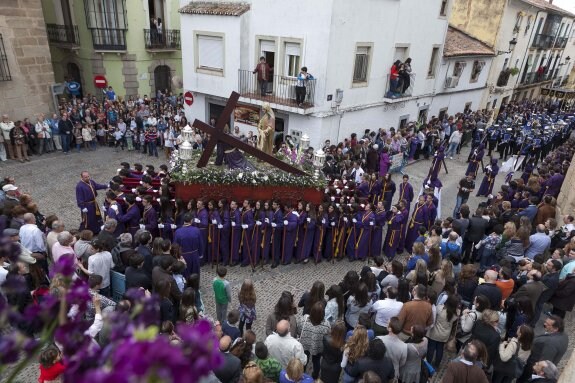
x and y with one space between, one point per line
63 35
107 39
280 90
561 42
543 41
166 40
535 77
402 87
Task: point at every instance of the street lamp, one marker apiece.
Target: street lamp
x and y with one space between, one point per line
187 133
318 161
304 142
512 44
186 150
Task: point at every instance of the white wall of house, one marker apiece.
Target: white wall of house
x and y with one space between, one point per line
329 35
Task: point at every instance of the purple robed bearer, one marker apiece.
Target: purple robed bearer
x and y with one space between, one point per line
374 189
131 218
330 233
406 192
387 191
214 234
247 230
553 184
277 234
201 221
289 235
431 212
405 213
188 237
475 160
303 229
225 232
319 239
86 193
363 241
393 233
377 232
418 218
236 233
491 172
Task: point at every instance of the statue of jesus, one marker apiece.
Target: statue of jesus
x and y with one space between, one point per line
266 129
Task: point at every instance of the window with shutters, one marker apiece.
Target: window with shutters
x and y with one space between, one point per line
476 70
433 62
361 64
4 68
209 53
292 59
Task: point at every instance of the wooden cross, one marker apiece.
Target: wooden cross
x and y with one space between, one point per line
217 134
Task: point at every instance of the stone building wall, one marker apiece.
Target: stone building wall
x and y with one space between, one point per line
566 198
26 45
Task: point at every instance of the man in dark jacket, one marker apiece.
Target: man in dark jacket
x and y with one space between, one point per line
474 234
563 298
375 361
550 281
490 290
544 372
65 127
231 368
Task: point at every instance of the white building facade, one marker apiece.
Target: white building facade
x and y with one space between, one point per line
543 52
348 47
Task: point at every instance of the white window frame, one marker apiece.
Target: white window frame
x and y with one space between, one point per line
197 59
433 61
481 65
461 65
367 50
292 61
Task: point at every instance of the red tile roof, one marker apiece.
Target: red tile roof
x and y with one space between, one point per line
459 43
215 8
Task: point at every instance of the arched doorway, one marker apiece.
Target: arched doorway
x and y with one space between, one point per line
162 78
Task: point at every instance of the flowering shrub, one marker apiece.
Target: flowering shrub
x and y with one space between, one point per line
134 353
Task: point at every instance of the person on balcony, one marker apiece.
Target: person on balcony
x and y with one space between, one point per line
301 86
394 79
263 71
405 75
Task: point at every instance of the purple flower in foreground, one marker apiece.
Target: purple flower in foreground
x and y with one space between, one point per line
65 266
10 348
72 336
78 294
38 316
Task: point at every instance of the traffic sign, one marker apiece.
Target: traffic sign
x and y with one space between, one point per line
100 81
188 98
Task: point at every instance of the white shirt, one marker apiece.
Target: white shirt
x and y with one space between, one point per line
3 273
101 264
385 310
284 349
32 238
358 174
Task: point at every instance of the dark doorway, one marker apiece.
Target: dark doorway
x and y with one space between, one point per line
270 59
162 78
73 74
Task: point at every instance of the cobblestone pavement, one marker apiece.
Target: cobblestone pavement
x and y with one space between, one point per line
51 179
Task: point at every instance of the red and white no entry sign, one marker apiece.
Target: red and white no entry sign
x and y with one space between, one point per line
100 81
188 98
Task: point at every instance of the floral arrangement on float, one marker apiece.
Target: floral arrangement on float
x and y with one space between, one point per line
183 169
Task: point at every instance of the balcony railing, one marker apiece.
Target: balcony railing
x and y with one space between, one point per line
106 39
503 78
168 39
543 41
402 87
63 34
280 90
534 77
561 42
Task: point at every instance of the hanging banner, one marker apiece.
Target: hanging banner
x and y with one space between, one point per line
396 161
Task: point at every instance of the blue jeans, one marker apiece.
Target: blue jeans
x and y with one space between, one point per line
434 349
487 258
458 202
152 148
66 142
451 150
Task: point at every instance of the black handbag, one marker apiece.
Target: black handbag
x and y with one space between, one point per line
512 368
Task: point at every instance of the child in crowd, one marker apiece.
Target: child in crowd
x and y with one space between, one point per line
269 366
177 271
51 365
247 309
223 293
129 139
118 141
230 326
